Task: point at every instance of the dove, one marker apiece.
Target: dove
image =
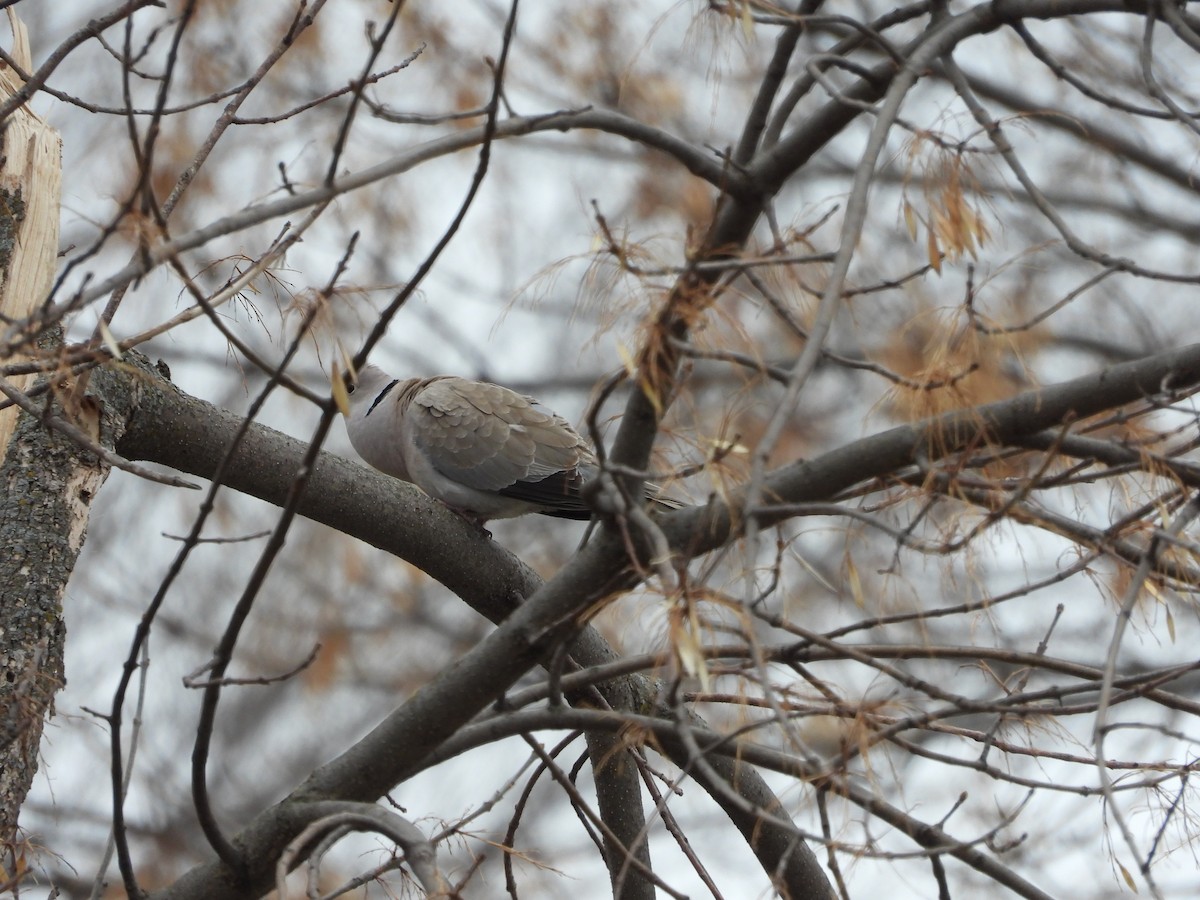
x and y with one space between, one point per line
485 451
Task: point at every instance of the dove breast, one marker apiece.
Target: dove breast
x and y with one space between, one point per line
478 447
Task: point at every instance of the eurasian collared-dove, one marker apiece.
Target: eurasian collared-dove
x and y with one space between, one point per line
483 450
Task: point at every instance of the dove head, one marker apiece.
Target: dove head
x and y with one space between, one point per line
365 388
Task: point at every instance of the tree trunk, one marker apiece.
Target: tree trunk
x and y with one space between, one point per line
45 484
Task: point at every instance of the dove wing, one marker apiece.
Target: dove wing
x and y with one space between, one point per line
490 438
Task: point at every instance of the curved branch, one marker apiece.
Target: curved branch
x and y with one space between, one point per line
330 817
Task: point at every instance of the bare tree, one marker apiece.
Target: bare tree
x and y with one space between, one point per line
896 301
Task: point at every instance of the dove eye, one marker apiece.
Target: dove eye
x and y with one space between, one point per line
350 388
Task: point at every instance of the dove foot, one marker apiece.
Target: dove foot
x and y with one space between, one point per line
474 519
